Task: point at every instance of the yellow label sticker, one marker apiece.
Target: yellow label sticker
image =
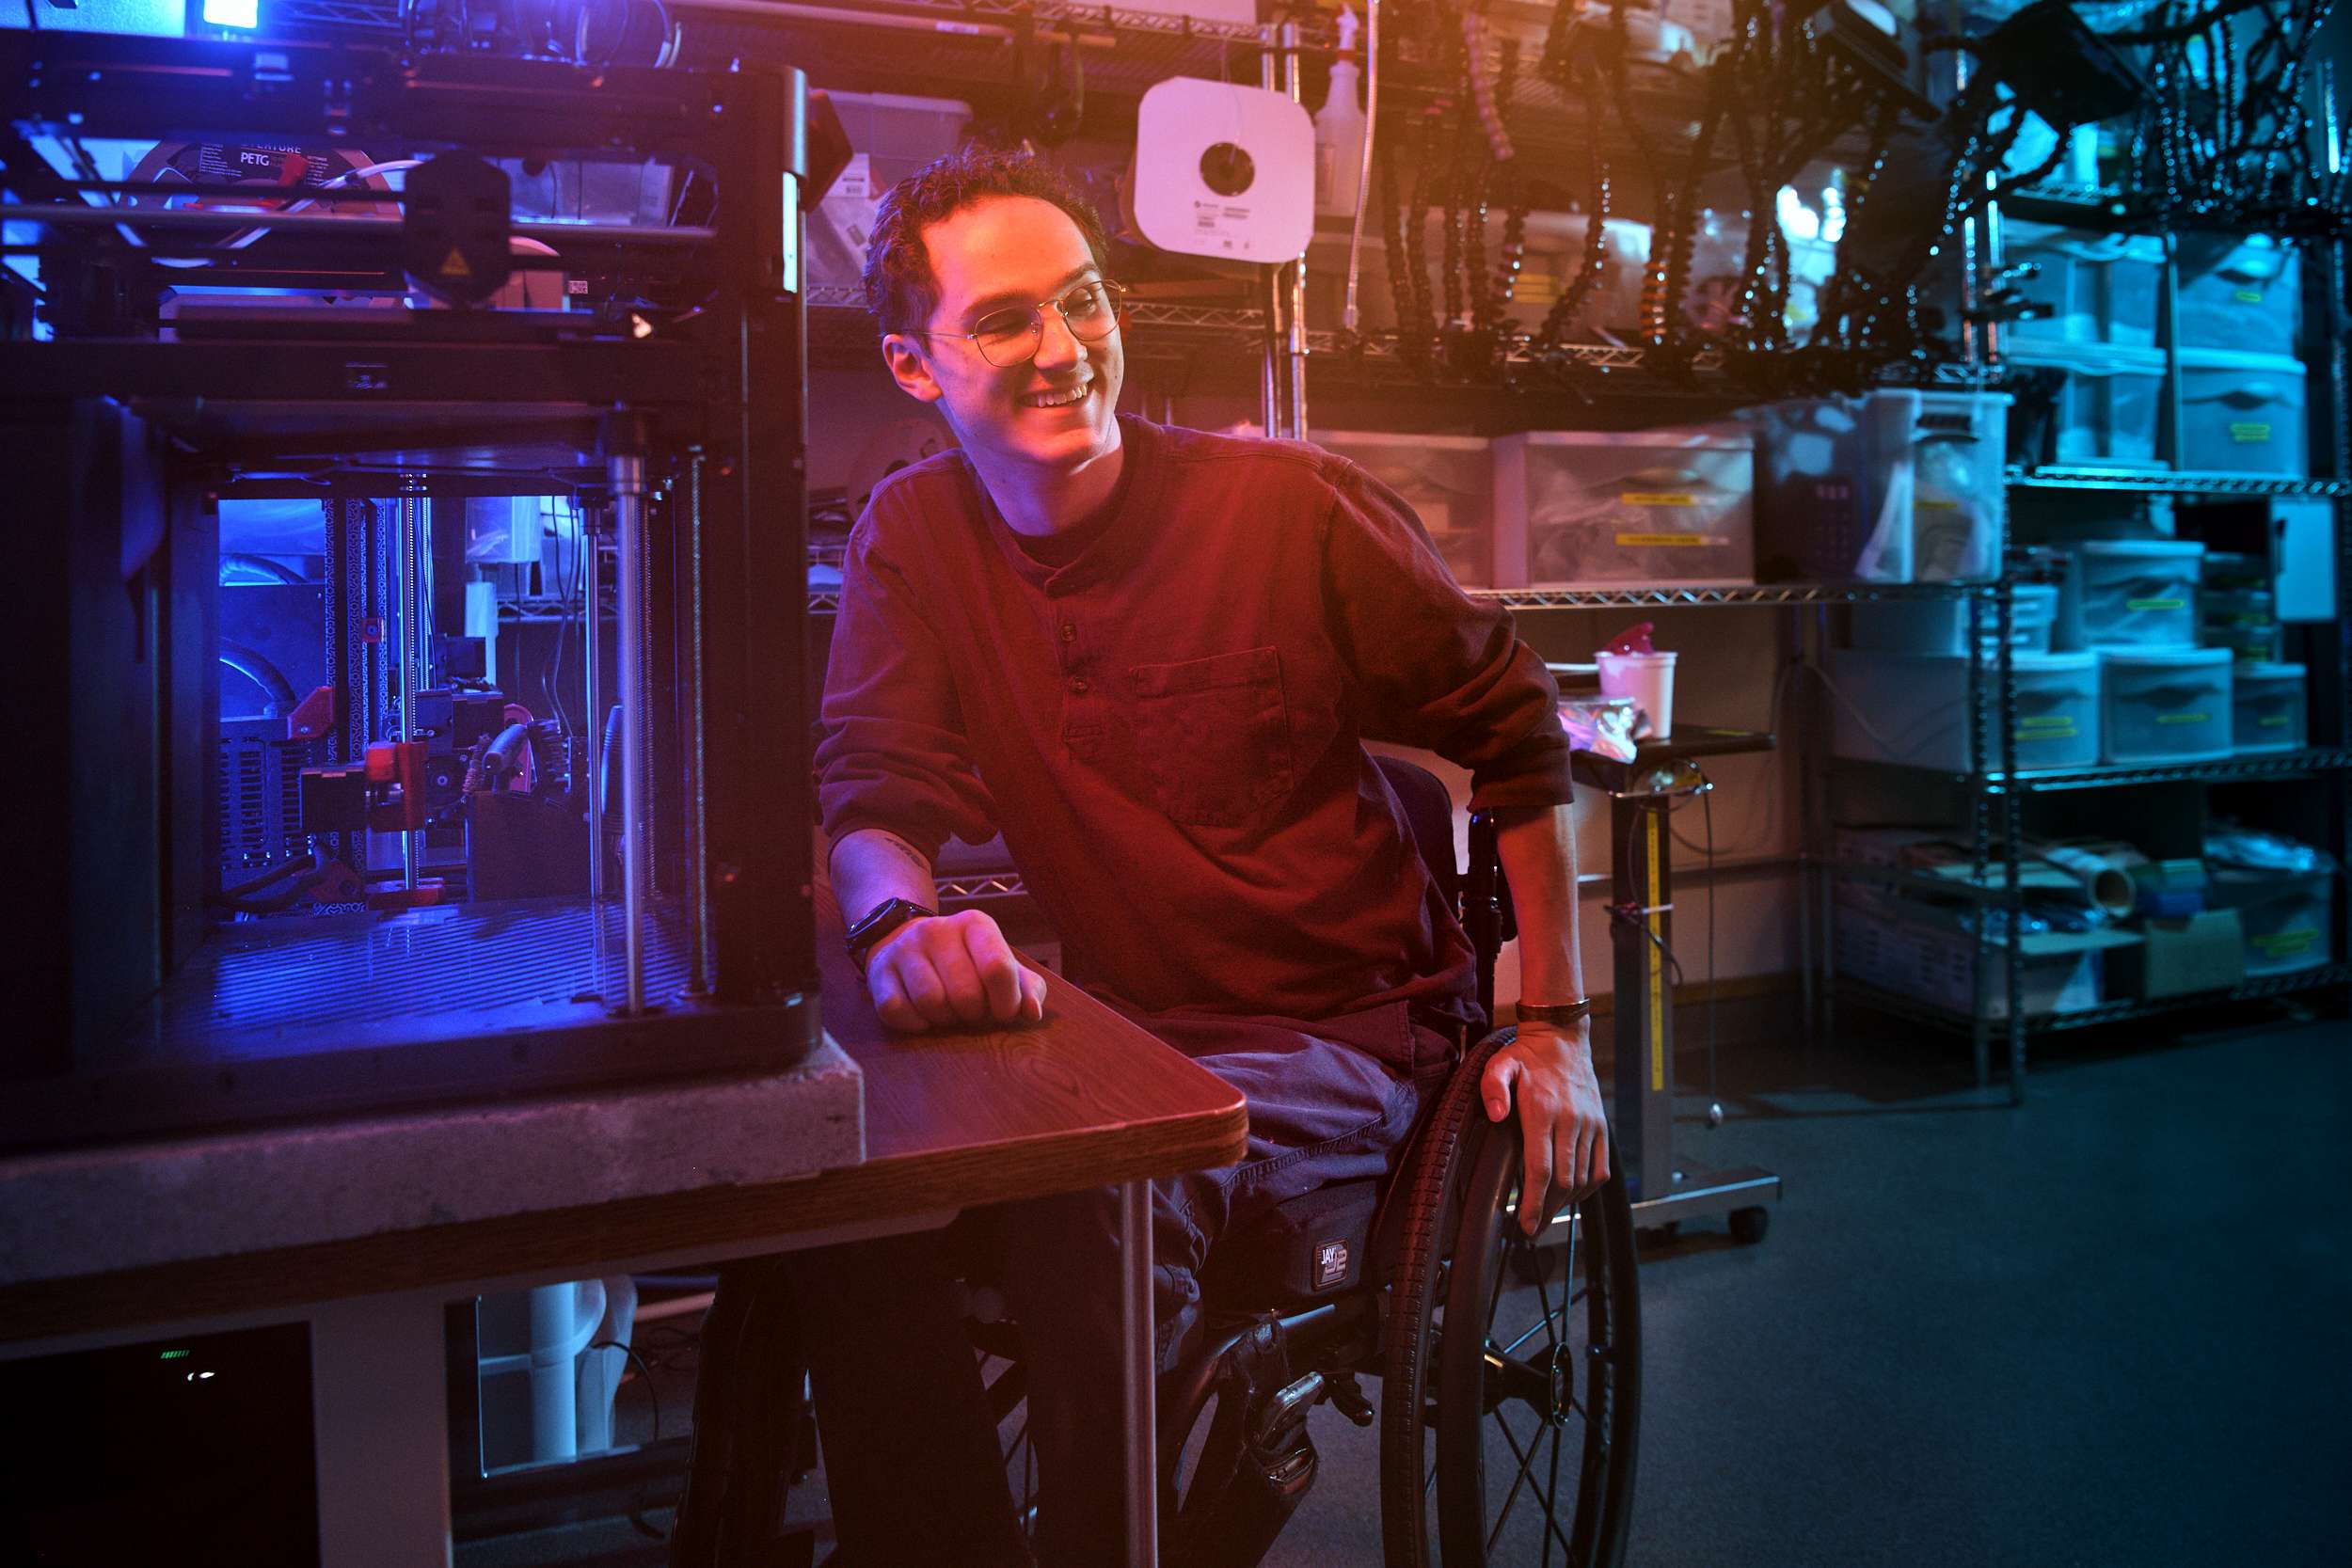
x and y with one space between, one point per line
2155 604
454 265
2247 297
2275 721
2248 432
1937 503
2056 729
2182 718
2047 721
1674 541
2278 945
1655 497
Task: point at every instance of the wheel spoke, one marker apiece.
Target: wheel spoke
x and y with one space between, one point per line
1551 1507
1527 1464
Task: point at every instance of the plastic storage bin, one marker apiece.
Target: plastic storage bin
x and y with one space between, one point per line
2134 593
2242 413
891 135
2240 294
2164 706
2243 620
2097 288
1913 708
1449 479
2107 407
1894 486
1941 626
2267 707
1653 508
2289 916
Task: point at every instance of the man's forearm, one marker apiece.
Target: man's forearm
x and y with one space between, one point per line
1538 850
870 866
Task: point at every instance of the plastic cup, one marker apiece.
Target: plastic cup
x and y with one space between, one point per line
1648 679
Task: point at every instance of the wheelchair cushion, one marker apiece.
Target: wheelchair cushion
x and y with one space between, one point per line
1304 1250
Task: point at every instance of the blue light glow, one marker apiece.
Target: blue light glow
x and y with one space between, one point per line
232 14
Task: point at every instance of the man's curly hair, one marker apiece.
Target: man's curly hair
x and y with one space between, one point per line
900 288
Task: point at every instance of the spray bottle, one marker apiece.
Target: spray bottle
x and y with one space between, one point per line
1340 132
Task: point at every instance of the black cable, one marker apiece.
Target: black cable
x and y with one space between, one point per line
652 1393
2175 32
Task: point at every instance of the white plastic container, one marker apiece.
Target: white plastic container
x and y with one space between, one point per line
2135 592
1650 508
1648 680
1913 708
1941 626
1448 480
2289 916
2098 288
2240 294
1894 486
2242 413
2164 706
2107 409
2268 711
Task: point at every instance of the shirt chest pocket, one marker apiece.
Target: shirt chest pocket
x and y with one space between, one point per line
1214 735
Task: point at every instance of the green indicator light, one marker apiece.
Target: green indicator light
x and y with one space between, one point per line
175 1354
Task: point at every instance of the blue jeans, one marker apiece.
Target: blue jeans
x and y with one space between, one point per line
911 1455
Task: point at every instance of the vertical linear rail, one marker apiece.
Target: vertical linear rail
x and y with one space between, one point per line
697 814
592 700
626 471
414 600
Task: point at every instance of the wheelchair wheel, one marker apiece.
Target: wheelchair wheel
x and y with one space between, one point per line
1509 1416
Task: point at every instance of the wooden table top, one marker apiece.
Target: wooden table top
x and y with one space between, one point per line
953 1120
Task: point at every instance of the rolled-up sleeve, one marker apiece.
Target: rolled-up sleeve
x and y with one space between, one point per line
893 753
1436 669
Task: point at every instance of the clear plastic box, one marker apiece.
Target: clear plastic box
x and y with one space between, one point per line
1913 708
2242 413
1941 626
2289 916
2268 710
1652 508
891 135
2241 295
2098 288
1894 486
2160 705
1448 480
2243 620
2108 406
2135 592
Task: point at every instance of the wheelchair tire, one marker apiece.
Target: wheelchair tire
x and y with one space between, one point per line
1444 1505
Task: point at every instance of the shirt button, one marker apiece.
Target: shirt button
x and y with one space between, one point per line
1069 632
1078 684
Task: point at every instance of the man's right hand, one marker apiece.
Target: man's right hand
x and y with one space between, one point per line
951 971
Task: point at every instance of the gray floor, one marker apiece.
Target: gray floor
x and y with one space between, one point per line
2108 1328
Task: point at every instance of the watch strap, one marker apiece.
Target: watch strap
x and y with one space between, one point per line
1559 1015
879 922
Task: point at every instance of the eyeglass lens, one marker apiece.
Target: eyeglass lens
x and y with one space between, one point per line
1090 310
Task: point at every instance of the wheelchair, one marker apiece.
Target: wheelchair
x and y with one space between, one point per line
1405 1279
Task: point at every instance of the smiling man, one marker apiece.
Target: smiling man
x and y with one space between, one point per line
1150 656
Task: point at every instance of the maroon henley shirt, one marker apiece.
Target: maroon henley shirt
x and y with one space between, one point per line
1168 727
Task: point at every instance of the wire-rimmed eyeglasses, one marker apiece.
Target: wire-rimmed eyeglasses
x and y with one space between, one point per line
1012 336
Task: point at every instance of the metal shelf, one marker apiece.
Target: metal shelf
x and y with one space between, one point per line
2272 764
1758 593
1913 1010
2174 482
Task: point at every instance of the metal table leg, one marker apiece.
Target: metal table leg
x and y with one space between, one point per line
1141 1367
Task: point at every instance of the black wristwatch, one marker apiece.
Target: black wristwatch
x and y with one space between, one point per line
884 918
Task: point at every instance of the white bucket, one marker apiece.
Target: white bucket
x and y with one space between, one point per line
1648 679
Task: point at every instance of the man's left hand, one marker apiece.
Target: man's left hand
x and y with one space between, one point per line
1548 1072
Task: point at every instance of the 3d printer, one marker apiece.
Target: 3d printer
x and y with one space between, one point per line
408 602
